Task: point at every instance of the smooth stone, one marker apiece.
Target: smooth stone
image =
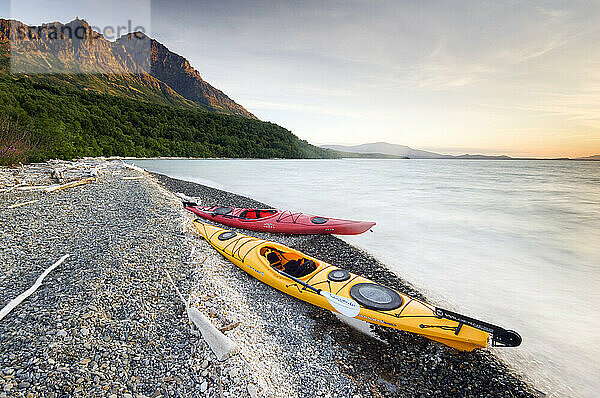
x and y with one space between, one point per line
252 391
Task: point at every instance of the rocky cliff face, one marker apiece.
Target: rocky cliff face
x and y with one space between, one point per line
177 72
69 48
134 66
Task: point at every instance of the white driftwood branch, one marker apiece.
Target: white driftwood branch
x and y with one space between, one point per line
32 187
220 344
186 303
23 204
13 303
70 184
185 198
133 167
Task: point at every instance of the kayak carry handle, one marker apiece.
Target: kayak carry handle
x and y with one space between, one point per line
506 338
500 336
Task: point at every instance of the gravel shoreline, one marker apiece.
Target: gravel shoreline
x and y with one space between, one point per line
105 323
108 323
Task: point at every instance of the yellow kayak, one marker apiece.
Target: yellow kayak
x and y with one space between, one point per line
336 289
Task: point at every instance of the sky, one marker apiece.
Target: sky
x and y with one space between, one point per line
493 77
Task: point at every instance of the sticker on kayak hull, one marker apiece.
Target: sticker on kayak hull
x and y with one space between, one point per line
343 305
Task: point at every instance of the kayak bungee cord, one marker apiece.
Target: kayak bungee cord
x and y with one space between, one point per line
283 216
500 337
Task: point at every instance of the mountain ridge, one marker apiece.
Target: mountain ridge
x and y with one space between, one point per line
176 71
77 55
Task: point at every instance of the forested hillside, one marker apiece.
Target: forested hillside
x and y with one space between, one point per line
66 123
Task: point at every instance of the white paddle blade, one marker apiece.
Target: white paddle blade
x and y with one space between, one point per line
343 305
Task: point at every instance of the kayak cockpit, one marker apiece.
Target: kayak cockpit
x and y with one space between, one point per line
255 214
291 263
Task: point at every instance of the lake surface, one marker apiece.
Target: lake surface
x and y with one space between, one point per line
515 243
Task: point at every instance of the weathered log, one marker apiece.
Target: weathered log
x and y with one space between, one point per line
70 184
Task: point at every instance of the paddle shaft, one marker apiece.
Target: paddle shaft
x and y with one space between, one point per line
343 305
306 285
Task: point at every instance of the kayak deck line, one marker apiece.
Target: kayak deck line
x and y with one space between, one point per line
311 280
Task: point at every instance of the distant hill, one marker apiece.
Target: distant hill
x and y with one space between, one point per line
594 157
386 149
482 157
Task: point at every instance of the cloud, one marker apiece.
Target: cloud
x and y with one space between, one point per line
553 13
323 109
299 107
441 75
581 108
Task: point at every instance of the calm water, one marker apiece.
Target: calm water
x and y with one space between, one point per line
516 243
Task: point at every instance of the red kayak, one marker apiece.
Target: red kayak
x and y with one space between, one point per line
272 220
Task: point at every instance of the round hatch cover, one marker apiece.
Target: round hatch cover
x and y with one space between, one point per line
338 275
318 220
222 210
376 297
226 235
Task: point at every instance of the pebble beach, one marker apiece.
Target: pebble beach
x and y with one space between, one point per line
107 322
